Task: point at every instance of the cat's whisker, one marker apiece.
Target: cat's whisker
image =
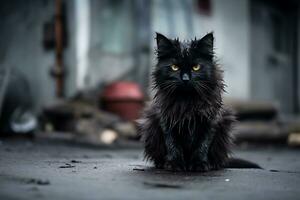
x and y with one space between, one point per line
199 88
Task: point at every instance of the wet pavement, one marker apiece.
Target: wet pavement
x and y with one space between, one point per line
39 170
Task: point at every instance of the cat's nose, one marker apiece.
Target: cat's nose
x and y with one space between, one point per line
185 77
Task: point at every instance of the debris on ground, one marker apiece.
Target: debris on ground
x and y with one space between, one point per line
294 139
67 165
262 121
87 123
76 161
38 181
162 185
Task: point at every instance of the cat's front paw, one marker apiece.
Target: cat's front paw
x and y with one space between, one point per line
200 166
175 164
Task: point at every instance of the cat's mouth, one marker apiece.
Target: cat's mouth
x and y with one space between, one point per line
187 88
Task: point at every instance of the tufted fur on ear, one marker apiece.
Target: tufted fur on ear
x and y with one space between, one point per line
204 46
165 47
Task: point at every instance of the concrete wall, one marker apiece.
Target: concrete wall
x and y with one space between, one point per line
21 46
230 22
110 48
232 25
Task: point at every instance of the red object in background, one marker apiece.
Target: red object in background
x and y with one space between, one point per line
204 7
124 99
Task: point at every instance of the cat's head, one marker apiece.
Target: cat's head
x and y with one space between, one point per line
185 67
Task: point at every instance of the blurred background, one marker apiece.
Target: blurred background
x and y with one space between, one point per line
75 76
83 67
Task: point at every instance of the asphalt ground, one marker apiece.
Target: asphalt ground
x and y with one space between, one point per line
42 170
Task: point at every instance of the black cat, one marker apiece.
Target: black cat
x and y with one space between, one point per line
186 127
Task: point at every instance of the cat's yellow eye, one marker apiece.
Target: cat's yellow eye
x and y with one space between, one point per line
196 67
174 67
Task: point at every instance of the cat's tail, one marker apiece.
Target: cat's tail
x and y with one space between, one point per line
241 164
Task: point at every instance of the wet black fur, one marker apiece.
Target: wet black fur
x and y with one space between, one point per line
186 127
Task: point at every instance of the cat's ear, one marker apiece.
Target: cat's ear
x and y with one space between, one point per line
164 44
162 41
208 40
205 44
